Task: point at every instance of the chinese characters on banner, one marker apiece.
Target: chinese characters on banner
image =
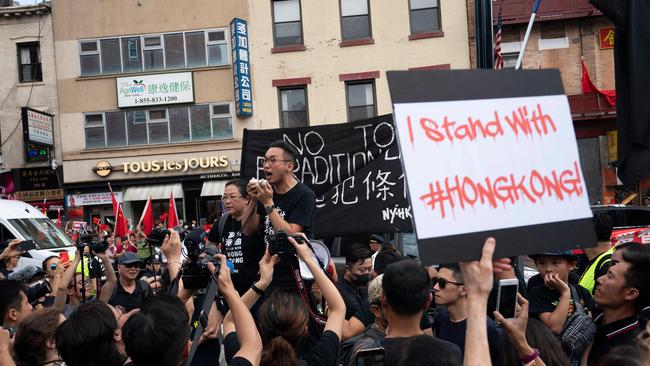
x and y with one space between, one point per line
353 168
490 163
606 36
241 67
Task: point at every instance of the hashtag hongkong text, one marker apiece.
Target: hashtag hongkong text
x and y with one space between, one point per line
519 122
459 192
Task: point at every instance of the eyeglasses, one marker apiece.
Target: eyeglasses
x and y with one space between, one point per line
132 265
230 198
273 159
442 283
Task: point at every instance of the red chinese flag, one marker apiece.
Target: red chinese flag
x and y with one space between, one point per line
172 218
58 218
96 220
588 87
121 225
147 217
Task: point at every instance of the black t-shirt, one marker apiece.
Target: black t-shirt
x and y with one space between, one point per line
618 333
425 349
454 332
244 251
355 304
323 353
127 300
544 300
297 206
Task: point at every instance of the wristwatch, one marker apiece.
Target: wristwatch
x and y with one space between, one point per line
270 208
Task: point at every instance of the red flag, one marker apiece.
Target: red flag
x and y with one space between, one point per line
163 216
44 208
96 220
147 217
172 218
121 225
58 219
588 87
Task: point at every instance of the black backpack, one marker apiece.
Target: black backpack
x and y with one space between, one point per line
345 349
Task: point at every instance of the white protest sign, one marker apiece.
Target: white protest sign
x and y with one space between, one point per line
488 164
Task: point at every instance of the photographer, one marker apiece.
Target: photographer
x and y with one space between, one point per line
36 288
10 256
74 287
284 317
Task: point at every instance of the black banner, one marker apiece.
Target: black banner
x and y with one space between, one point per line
353 168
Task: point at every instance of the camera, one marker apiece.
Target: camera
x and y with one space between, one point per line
96 246
279 243
157 235
37 290
195 272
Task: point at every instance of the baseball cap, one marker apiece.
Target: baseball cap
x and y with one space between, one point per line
567 254
26 274
374 289
128 258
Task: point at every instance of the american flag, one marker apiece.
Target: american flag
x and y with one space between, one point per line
498 58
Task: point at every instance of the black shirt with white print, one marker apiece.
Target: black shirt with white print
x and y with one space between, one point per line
297 206
244 251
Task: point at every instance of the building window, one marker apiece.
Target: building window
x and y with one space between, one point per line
169 51
287 25
510 60
95 137
152 52
361 100
89 58
217 48
174 51
293 107
424 16
29 62
159 125
221 122
355 19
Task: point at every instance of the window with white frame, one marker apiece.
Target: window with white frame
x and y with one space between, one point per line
287 23
361 99
89 58
166 51
159 125
424 16
355 19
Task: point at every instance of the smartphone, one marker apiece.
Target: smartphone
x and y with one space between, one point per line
27 245
64 259
507 297
371 357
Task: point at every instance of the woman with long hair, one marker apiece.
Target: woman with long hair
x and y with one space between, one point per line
283 319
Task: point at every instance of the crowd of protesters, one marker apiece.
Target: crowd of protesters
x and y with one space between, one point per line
129 304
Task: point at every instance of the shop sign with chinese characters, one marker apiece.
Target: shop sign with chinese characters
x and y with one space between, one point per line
606 36
241 67
145 90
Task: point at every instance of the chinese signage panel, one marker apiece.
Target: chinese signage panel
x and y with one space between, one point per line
146 90
38 127
241 67
606 36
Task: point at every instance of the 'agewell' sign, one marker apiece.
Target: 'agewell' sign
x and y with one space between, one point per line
496 160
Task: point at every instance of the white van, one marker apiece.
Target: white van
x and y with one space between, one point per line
19 220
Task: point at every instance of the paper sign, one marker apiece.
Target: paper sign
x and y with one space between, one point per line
490 164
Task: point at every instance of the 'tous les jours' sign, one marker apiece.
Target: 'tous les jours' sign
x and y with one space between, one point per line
143 90
104 168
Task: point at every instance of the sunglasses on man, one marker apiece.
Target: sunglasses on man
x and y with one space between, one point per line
442 283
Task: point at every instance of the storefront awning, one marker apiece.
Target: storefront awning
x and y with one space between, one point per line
156 192
213 188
